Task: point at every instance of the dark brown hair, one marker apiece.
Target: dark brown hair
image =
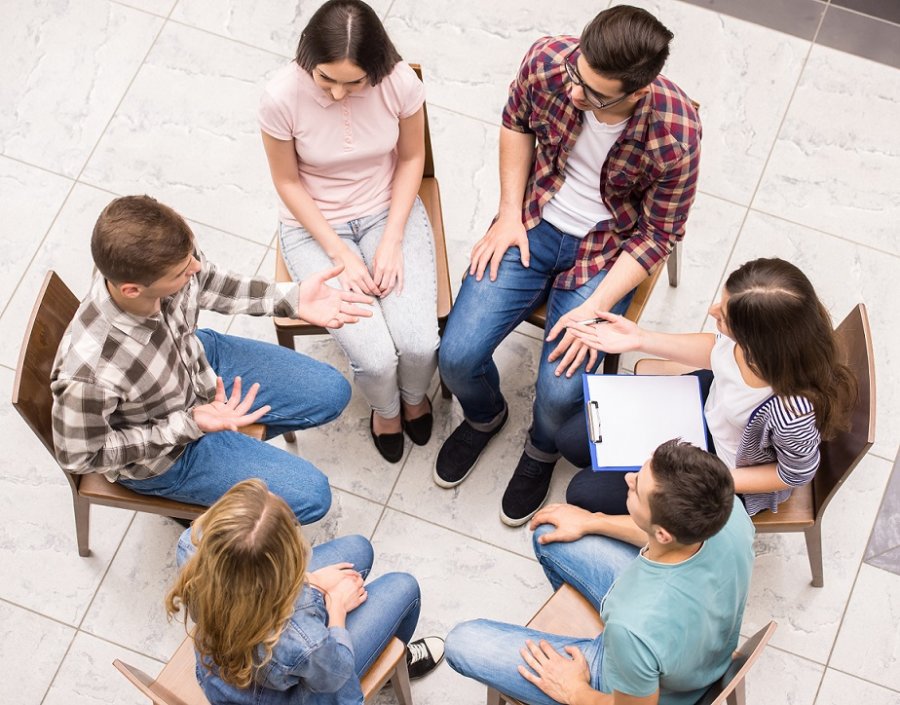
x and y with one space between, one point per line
626 44
694 492
788 340
347 29
137 240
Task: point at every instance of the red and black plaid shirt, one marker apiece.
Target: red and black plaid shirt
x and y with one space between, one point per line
647 182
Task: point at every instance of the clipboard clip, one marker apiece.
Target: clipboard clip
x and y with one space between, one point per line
595 431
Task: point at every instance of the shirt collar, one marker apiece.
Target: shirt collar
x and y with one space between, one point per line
137 327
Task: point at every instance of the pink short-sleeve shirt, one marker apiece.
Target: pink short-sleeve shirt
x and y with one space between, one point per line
346 149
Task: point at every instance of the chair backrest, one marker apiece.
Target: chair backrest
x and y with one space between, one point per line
741 663
55 307
428 170
176 684
843 452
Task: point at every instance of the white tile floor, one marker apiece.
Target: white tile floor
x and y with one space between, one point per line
103 98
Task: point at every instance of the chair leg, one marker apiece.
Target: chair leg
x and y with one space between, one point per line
285 338
82 524
738 696
611 364
400 683
289 436
673 265
814 552
445 390
494 697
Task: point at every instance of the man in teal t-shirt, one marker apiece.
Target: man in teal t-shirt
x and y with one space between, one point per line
671 610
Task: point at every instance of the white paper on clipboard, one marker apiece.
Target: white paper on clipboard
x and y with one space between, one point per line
633 414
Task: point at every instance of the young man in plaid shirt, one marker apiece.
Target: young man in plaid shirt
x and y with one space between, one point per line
599 157
139 392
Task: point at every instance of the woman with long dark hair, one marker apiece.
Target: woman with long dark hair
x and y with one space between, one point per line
773 381
343 129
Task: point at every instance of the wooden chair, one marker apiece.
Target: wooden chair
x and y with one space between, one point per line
177 683
804 509
429 192
568 613
53 311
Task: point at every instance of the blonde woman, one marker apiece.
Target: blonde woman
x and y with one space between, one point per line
277 622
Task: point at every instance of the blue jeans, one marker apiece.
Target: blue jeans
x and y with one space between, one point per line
302 392
486 312
391 609
488 651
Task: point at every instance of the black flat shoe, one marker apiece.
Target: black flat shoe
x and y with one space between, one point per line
390 445
419 430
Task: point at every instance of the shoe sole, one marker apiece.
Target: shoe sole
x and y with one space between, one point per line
518 522
441 482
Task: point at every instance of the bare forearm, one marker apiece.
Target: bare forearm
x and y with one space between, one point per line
407 179
620 527
307 213
516 157
692 349
758 478
625 274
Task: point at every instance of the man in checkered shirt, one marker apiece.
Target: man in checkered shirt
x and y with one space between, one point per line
599 156
139 392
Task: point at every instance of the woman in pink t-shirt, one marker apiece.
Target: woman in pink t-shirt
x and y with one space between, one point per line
343 128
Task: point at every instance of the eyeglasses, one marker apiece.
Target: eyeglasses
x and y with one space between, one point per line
591 96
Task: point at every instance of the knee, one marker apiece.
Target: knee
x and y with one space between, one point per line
378 364
404 586
456 358
361 549
462 641
540 549
313 500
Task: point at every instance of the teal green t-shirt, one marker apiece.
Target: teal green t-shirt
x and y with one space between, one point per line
675 626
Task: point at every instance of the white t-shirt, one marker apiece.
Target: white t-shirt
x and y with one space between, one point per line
730 401
578 206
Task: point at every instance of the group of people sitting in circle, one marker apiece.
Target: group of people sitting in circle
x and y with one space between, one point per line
599 157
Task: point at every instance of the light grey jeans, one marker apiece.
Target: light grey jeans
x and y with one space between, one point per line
393 354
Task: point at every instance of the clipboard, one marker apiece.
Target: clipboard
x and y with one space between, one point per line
629 416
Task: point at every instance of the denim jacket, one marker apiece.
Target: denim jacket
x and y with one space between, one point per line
312 663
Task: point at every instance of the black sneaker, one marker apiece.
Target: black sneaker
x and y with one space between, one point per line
424 655
460 452
526 492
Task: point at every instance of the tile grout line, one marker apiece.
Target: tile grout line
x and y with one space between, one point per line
87 609
77 178
33 611
837 634
859 13
765 165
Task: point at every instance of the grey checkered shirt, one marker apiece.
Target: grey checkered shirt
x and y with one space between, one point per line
124 386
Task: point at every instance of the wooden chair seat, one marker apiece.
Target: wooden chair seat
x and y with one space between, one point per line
797 513
177 683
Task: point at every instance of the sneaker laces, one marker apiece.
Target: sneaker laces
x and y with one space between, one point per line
531 468
418 651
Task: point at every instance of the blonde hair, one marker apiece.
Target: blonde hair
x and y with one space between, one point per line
241 585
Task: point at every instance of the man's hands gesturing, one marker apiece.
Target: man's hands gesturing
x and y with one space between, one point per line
229 414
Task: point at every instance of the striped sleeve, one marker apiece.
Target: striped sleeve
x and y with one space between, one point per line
796 440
